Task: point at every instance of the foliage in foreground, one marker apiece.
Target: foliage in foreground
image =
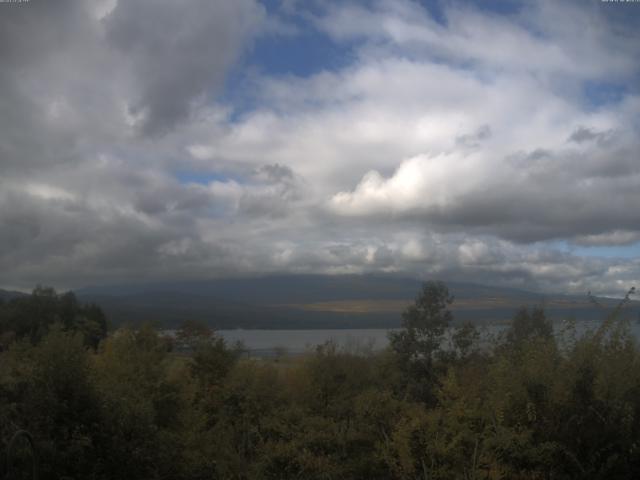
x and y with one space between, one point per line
529 405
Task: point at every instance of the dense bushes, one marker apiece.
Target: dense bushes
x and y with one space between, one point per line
530 405
31 316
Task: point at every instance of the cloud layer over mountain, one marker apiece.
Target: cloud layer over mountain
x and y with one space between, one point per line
157 139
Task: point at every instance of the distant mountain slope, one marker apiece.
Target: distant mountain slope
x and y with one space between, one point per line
316 301
9 294
306 288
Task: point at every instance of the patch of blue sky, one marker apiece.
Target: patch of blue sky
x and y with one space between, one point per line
622 251
501 7
598 93
615 251
238 94
303 52
435 9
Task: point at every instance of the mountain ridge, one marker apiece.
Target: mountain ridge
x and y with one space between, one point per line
318 301
6 295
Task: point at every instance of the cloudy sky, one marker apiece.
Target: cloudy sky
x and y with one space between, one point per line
492 142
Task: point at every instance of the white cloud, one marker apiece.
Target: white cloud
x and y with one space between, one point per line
419 183
539 40
48 192
440 149
615 237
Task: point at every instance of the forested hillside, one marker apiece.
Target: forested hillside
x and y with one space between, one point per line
527 406
318 301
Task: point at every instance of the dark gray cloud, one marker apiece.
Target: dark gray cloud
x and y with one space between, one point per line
31 32
179 51
584 134
526 197
29 35
273 192
474 139
440 150
276 172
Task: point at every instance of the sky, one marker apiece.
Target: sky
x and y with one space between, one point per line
494 142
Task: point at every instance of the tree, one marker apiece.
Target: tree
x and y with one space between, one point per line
32 316
192 333
141 405
424 323
464 339
418 342
47 389
212 360
525 326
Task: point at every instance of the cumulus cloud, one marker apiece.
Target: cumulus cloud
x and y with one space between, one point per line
436 148
542 195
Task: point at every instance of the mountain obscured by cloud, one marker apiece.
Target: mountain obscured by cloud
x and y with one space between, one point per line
152 140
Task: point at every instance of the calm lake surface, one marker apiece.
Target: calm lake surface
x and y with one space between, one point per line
300 341
272 342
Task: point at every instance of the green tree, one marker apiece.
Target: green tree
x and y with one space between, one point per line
424 323
192 333
525 326
464 339
47 389
142 406
418 343
32 316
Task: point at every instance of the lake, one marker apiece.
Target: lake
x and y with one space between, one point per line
272 342
268 342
